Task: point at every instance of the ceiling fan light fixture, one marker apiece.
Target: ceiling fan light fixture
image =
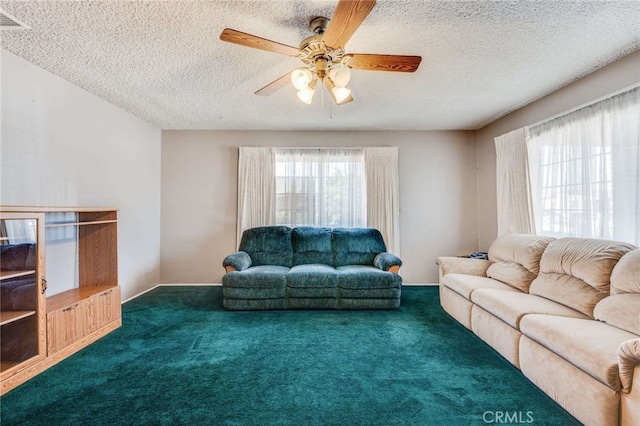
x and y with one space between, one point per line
340 76
306 94
341 94
301 77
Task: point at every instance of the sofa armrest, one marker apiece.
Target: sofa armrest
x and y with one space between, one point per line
462 265
628 359
238 261
387 262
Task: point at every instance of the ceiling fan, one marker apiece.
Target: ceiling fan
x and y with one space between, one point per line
323 56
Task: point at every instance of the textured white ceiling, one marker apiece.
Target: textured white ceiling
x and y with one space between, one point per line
164 62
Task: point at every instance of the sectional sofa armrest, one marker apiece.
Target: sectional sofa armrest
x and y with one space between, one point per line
387 262
628 359
462 265
238 261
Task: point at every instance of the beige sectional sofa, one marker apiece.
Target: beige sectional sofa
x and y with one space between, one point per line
566 312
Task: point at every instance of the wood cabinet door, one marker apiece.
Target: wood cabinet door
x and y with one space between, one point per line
68 325
107 306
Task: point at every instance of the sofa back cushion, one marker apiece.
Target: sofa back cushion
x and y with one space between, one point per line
268 245
356 246
311 245
625 277
622 308
516 259
576 272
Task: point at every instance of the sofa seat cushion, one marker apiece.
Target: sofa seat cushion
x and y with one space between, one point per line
366 277
312 276
511 306
587 344
265 276
620 310
464 284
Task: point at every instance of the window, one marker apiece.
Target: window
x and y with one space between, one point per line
332 187
585 169
320 187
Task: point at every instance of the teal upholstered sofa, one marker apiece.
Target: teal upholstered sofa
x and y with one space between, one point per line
278 267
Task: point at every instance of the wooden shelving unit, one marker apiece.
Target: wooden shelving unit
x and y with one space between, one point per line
6 275
38 331
10 316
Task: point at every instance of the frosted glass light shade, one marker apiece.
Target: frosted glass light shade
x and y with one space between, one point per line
341 94
306 95
301 77
340 76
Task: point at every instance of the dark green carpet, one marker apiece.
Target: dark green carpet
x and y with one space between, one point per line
179 358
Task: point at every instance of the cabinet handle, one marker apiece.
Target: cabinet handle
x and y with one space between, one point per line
106 293
70 308
44 285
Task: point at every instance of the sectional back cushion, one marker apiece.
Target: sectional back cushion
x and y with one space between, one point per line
622 308
625 278
268 245
311 245
356 246
576 272
516 259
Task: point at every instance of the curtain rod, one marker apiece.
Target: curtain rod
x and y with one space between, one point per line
585 105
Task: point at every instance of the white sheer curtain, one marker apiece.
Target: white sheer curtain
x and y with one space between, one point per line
256 188
513 189
383 200
320 187
585 171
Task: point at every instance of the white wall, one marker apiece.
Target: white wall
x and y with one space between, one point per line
616 76
199 183
62 146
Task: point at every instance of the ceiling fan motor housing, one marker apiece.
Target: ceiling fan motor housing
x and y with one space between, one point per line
318 25
314 53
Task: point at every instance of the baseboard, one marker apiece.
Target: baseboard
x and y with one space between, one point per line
419 284
166 285
219 284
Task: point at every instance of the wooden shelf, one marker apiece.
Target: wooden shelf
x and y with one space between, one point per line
10 316
75 295
94 222
5 275
7 365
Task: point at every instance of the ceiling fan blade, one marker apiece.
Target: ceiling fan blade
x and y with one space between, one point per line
244 39
276 85
345 21
397 63
329 85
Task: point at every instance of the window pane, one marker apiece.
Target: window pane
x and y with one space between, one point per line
320 187
585 171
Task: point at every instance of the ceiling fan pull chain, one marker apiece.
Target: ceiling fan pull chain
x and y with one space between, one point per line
331 110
